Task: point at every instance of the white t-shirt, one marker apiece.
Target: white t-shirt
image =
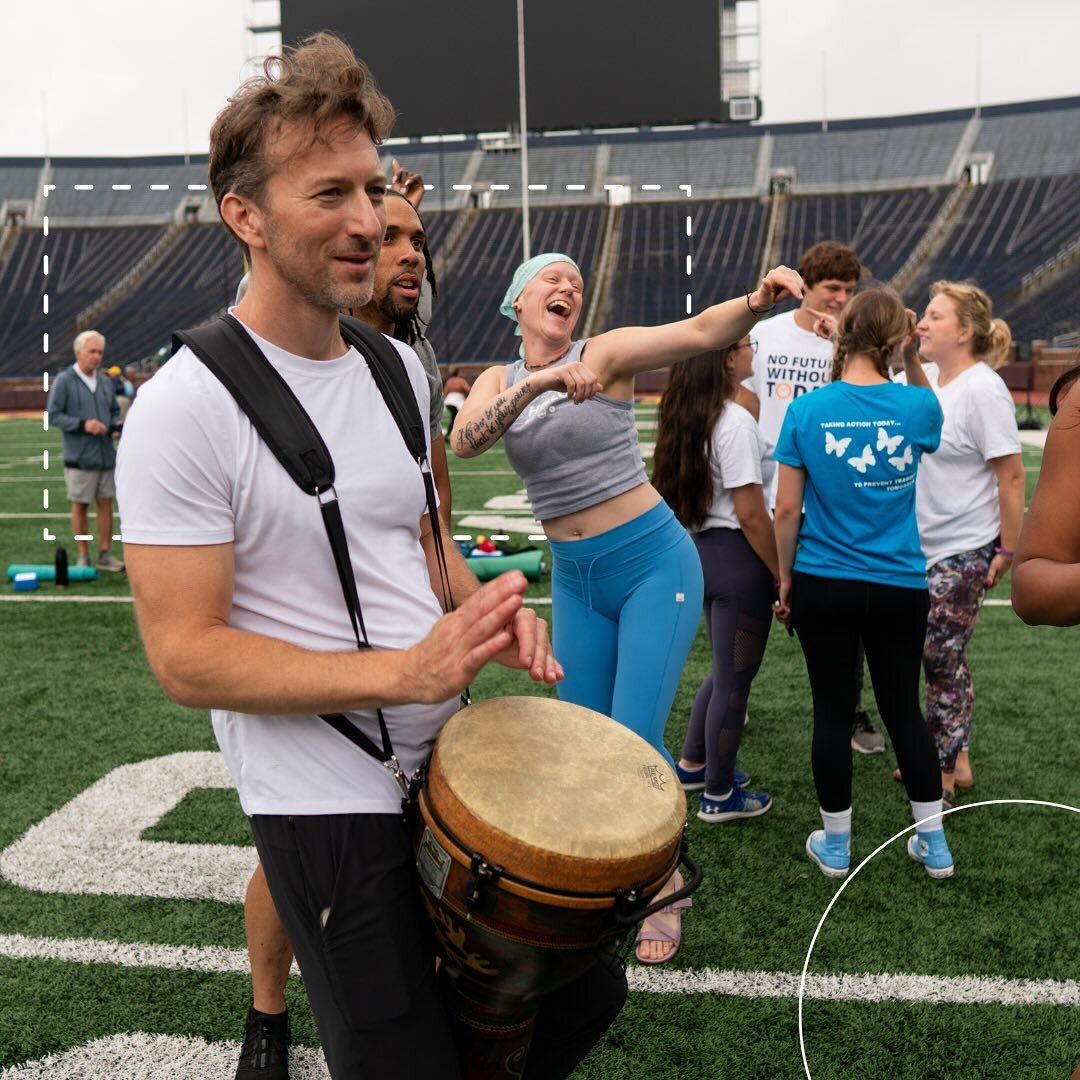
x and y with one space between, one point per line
739 457
957 491
789 362
192 470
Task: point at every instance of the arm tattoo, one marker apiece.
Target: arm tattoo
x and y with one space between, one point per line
480 434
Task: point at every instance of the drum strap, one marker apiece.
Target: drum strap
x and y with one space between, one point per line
227 349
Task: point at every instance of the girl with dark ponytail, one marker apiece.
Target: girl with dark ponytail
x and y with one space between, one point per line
853 567
711 465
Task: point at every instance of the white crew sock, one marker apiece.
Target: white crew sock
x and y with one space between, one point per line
838 823
720 798
927 815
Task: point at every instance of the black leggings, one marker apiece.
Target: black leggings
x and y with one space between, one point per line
738 593
830 615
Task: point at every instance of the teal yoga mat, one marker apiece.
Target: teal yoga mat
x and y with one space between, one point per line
530 563
48 573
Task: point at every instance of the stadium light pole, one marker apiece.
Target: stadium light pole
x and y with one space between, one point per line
526 240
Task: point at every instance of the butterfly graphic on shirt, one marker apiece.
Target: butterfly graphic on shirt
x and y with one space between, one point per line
903 461
863 460
890 446
836 446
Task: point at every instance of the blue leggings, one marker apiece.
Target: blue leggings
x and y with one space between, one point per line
625 609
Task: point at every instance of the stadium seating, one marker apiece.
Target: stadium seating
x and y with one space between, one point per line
883 227
196 280
19 181
650 284
877 184
1006 230
83 264
122 189
843 155
1042 139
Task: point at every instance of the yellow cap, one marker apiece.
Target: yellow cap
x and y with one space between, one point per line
114 370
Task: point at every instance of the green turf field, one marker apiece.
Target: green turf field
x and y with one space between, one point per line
977 976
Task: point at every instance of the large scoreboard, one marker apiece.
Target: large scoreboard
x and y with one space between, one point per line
451 65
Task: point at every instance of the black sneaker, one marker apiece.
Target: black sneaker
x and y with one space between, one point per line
265 1053
864 736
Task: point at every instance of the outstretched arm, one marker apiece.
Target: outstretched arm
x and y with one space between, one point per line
630 350
1046 571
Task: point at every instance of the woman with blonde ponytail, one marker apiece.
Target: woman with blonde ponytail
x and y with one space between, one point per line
970 503
853 567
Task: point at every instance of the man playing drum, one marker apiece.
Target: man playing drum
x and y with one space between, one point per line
240 608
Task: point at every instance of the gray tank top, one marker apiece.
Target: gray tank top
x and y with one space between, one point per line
569 456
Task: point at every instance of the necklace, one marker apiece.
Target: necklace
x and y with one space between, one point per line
540 367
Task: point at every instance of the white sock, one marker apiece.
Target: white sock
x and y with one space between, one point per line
720 798
839 822
927 815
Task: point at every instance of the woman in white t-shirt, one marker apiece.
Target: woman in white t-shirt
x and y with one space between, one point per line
970 503
712 465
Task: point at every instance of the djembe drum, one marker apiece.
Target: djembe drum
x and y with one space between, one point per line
544 830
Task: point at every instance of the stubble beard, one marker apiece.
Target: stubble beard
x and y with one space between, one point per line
320 291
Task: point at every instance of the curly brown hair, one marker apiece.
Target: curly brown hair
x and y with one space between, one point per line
320 81
829 261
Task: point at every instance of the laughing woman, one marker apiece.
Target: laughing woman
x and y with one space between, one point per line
626 578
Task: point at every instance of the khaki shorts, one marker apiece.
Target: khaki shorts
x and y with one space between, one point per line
88 485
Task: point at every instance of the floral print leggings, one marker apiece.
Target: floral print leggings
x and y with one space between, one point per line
957 589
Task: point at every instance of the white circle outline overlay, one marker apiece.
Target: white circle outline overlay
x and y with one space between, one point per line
854 873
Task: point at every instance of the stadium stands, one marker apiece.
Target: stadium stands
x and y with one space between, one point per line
650 284
710 164
878 184
1007 229
1040 139
147 191
196 280
83 263
19 180
842 155
883 227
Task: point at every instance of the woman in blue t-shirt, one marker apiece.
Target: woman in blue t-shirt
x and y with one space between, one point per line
854 567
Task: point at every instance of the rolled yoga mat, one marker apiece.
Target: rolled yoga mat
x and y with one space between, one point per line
48 573
530 563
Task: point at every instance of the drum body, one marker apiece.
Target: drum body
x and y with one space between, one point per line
543 829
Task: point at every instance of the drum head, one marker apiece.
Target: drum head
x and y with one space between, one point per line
558 791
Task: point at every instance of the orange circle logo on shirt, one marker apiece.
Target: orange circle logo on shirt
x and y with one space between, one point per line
783 390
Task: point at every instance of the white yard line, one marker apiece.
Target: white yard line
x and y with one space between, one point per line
936 989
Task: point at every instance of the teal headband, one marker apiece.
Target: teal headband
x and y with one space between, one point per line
522 276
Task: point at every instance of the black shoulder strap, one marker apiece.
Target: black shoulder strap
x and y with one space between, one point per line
226 348
388 371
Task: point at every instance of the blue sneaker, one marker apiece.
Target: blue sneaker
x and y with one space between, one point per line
739 804
694 779
931 849
831 852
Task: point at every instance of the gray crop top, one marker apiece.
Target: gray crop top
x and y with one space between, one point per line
572 456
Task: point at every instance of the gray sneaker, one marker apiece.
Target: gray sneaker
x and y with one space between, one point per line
864 736
83 562
108 561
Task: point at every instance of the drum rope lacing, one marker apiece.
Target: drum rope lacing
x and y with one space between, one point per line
487 874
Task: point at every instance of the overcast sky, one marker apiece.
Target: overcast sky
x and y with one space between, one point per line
136 77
